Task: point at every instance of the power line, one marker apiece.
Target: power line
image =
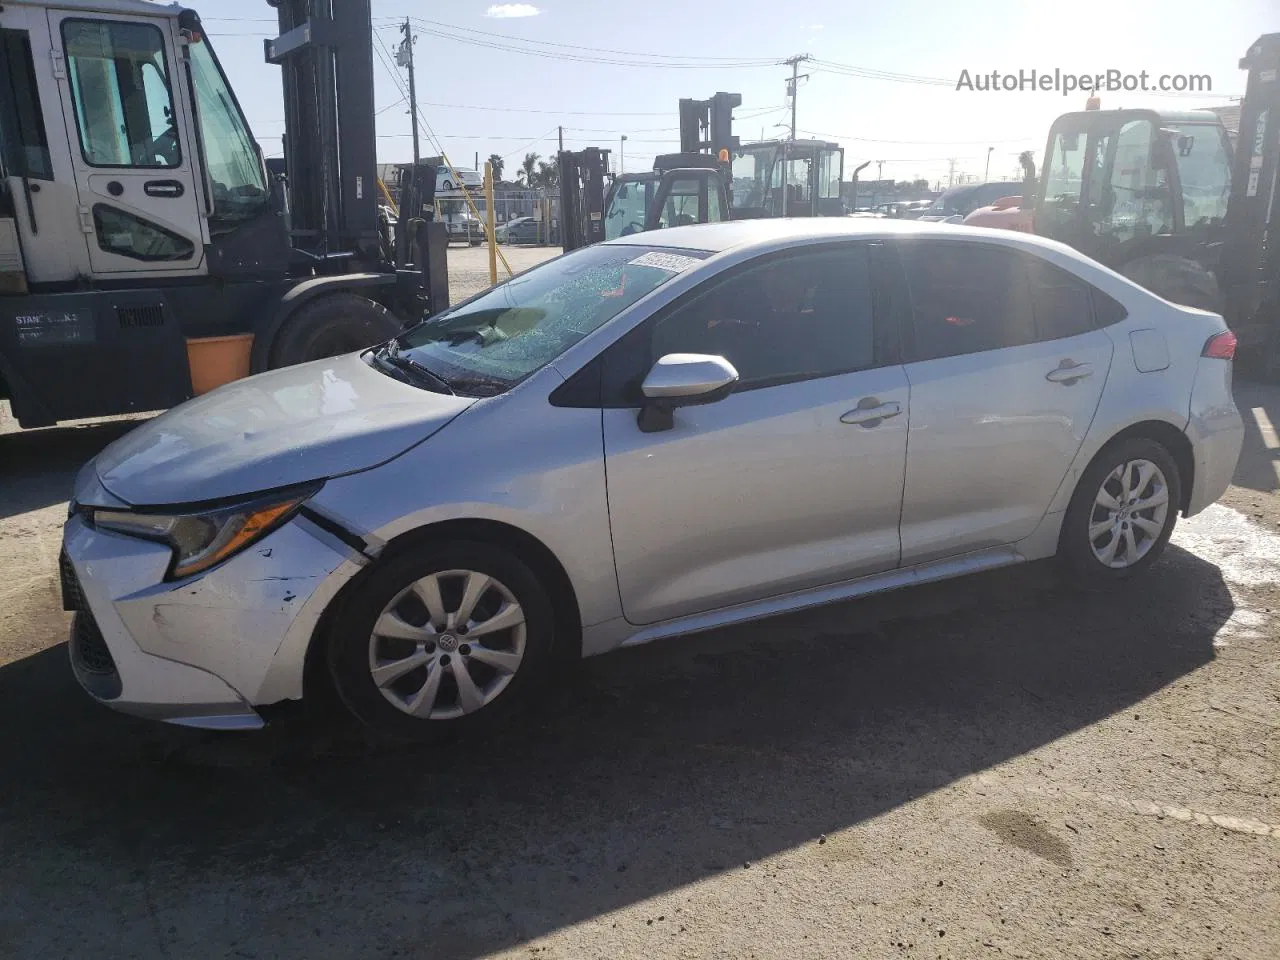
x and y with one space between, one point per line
592 49
922 143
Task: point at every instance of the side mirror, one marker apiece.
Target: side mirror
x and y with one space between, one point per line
682 380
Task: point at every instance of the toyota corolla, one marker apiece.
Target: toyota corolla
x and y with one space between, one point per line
646 438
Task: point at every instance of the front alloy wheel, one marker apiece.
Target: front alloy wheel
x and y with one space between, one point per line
440 638
447 644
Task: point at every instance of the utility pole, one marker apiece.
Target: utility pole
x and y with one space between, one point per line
622 153
792 88
561 129
879 178
794 83
404 58
986 174
951 173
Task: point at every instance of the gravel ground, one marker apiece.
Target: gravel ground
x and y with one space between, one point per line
992 767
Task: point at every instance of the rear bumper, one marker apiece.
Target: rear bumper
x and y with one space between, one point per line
1216 432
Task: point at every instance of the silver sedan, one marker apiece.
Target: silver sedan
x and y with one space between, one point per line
646 438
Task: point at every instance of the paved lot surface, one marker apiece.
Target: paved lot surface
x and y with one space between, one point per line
993 767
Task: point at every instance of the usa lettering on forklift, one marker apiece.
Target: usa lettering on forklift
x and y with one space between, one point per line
1059 81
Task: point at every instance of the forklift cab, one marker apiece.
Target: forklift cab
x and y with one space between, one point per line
788 178
673 198
1122 184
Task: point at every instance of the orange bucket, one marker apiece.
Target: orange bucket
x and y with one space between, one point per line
218 360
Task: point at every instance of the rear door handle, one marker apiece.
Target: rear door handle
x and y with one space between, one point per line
1069 373
870 412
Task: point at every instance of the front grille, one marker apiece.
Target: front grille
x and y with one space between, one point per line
88 647
71 597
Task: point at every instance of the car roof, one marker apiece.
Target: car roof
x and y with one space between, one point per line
775 233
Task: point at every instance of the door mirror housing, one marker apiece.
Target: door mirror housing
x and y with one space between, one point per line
682 380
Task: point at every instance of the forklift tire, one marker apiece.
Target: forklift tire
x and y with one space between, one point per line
331 325
1177 279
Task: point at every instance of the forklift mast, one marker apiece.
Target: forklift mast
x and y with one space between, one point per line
582 188
706 126
325 51
1251 255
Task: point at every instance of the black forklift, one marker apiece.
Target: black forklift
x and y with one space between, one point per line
714 177
146 253
1163 198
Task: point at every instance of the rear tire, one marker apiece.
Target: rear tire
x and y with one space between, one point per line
436 676
331 325
1122 513
1177 279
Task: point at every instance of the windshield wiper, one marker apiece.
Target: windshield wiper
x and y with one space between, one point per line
391 354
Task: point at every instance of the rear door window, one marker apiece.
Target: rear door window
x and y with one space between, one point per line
965 298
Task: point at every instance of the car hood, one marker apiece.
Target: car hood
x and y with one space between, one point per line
302 423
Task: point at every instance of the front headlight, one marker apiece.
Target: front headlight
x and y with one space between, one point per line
201 538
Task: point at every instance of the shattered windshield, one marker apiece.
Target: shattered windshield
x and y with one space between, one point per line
488 344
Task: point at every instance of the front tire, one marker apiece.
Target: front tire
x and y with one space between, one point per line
442 640
331 325
1122 512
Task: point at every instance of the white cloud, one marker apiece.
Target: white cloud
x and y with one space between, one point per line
817 26
505 10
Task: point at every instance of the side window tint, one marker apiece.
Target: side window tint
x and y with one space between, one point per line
120 88
1062 304
130 236
966 298
22 135
802 316
1107 309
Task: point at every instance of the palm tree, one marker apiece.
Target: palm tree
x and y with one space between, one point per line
548 175
529 170
496 164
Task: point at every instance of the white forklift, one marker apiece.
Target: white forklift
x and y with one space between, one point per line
145 253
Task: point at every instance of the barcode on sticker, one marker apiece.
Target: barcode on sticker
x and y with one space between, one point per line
664 261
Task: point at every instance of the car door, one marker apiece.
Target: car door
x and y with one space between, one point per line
792 481
1006 370
119 82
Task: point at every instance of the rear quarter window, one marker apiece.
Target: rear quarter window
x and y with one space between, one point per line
1063 303
1106 309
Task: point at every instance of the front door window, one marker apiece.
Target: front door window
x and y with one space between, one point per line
120 88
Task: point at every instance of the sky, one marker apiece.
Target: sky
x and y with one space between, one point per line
882 80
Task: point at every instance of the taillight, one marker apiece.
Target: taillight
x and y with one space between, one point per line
1221 346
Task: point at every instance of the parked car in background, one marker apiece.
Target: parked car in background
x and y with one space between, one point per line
523 230
957 203
427 523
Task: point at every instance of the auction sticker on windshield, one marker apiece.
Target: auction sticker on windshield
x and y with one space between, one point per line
673 262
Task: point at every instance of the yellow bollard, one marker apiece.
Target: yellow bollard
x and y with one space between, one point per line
489 223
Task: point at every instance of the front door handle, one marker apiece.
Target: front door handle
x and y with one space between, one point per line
163 188
1068 373
870 412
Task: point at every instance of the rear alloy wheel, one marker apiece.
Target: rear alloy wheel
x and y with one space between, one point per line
1129 513
1123 511
441 639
